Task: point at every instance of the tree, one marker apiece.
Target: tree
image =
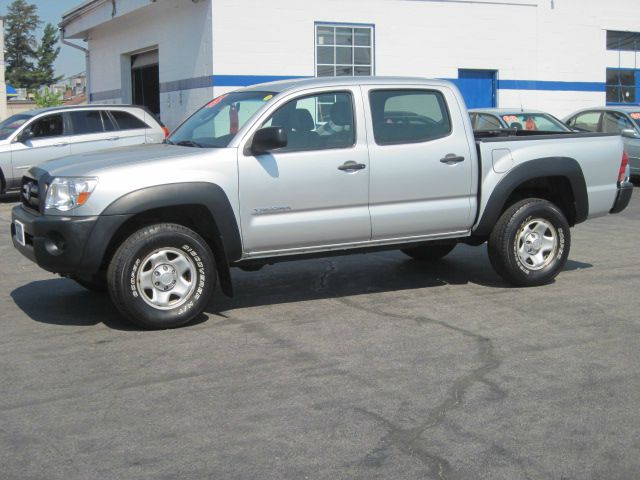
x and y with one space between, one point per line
46 54
20 43
48 98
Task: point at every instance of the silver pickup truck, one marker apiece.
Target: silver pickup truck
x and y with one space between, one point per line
312 167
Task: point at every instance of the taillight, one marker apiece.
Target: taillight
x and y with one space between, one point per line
165 130
622 173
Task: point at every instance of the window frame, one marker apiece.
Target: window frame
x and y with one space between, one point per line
634 87
411 89
307 95
335 25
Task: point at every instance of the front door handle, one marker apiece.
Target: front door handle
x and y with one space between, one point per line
351 166
61 144
112 139
451 158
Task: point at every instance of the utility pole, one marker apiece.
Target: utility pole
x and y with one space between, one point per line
3 86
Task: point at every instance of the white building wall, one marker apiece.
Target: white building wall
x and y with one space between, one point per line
180 30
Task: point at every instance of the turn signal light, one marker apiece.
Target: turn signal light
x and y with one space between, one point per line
165 130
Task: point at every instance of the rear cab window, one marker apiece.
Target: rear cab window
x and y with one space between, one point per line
408 116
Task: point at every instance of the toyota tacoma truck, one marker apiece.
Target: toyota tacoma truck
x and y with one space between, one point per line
312 167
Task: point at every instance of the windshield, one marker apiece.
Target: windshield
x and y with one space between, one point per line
635 116
11 124
534 121
215 124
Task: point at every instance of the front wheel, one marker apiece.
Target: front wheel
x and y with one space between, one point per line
529 244
162 276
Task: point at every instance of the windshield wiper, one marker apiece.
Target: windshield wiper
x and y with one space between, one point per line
189 143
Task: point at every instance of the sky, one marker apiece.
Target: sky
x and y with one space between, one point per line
70 61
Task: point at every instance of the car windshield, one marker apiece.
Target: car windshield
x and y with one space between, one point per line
534 121
11 124
635 116
216 123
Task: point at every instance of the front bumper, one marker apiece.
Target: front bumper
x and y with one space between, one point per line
65 245
622 197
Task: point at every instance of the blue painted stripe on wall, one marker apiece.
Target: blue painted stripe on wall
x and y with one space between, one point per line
246 80
551 85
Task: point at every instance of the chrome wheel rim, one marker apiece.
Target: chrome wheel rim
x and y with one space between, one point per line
537 244
166 278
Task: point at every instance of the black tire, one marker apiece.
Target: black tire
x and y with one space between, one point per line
517 248
429 253
177 245
97 283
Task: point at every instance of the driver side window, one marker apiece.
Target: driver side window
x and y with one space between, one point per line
45 127
316 122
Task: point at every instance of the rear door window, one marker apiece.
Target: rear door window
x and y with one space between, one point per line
408 116
127 121
86 121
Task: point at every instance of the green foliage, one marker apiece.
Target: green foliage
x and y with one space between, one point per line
46 54
20 43
29 64
47 98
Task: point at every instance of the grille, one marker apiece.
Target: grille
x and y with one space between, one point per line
30 193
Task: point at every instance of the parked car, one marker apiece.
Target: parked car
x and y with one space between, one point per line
312 167
30 138
497 118
623 121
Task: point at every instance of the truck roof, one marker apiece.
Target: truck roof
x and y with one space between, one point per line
312 82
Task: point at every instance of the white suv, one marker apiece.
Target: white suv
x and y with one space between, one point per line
30 138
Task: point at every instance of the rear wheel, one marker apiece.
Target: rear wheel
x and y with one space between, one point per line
162 276
530 243
429 253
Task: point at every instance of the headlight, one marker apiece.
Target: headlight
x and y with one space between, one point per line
65 194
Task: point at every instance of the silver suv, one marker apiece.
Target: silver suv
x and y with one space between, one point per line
30 138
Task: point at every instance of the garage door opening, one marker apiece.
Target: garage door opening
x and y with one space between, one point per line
145 80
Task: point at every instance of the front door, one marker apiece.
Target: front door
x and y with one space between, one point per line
43 139
313 192
421 163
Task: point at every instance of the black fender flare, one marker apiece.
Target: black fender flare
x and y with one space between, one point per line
3 182
226 234
538 168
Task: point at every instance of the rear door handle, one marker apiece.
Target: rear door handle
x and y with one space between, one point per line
112 139
61 144
452 158
351 166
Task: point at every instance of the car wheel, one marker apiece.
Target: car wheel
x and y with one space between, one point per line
530 243
429 253
162 276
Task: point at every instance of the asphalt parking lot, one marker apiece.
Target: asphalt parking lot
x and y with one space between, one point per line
362 367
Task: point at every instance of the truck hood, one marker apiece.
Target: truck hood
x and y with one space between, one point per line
102 161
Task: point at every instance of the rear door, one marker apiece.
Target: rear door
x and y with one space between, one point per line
304 195
47 141
92 130
421 163
130 129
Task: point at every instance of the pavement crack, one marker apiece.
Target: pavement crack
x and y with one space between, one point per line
324 278
408 440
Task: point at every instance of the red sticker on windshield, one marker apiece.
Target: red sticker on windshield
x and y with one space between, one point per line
215 101
635 115
510 118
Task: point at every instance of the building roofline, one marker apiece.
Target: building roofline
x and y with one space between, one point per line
75 12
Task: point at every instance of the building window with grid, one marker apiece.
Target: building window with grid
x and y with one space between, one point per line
621 85
343 50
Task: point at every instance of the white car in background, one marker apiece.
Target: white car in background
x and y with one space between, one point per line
30 138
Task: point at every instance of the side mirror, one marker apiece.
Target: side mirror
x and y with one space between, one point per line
25 136
267 139
629 133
